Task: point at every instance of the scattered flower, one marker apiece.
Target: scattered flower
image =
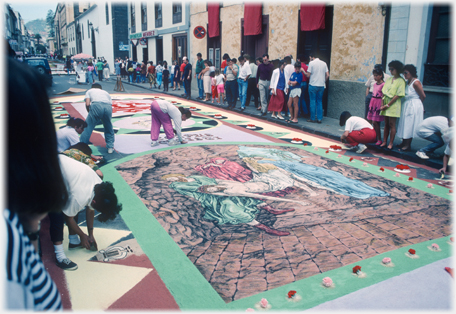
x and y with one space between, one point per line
402 167
335 147
305 144
264 303
291 294
365 164
435 246
430 186
452 239
339 156
351 159
386 260
250 310
450 191
410 178
296 139
327 282
316 148
251 125
397 175
327 151
382 169
412 251
356 269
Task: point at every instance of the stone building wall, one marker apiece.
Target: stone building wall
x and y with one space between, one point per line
283 29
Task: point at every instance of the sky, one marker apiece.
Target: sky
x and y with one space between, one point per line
32 10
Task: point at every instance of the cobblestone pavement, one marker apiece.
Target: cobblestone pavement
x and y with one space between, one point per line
334 230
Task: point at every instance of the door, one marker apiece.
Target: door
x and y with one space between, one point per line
159 49
146 55
94 49
214 45
179 47
319 41
256 45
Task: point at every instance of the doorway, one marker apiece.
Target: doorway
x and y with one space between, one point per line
318 41
214 45
179 47
256 45
159 49
146 55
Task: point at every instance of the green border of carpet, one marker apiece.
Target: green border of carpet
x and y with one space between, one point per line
192 291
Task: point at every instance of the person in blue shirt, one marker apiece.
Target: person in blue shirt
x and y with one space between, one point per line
294 90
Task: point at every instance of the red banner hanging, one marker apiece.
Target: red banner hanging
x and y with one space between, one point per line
312 17
213 12
253 18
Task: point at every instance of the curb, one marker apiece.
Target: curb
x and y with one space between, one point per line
410 156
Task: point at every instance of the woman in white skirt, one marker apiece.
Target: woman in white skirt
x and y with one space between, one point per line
412 108
205 75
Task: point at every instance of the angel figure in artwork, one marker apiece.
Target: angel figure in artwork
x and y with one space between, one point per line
314 176
230 202
275 177
224 169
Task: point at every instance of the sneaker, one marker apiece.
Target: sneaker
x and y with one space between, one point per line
173 142
72 246
66 264
361 148
154 143
110 150
422 155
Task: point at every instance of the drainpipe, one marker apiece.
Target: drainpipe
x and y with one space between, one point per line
386 36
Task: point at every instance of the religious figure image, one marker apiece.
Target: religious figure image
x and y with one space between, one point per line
312 175
230 202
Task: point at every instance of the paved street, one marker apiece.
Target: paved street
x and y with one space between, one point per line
168 251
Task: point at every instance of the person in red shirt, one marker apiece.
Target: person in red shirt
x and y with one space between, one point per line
151 74
304 100
224 63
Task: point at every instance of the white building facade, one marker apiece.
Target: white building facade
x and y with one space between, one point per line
159 31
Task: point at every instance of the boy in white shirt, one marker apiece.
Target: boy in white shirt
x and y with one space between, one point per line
357 132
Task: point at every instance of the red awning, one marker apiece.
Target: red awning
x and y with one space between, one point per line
253 18
213 12
312 17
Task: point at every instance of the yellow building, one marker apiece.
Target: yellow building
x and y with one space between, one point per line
354 38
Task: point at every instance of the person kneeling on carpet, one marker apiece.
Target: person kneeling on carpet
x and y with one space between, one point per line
86 191
162 113
357 132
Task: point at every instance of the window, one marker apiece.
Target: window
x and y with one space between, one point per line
88 29
158 15
82 28
177 13
436 69
107 13
132 18
143 16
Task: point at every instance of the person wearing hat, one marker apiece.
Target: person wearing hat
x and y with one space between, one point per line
357 132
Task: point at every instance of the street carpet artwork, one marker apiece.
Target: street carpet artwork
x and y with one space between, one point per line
250 214
255 217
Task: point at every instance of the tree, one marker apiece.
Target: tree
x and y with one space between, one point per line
50 23
40 49
38 38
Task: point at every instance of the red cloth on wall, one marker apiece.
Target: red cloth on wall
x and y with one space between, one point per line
312 17
213 13
253 18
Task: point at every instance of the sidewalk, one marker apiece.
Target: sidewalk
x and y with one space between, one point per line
328 128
